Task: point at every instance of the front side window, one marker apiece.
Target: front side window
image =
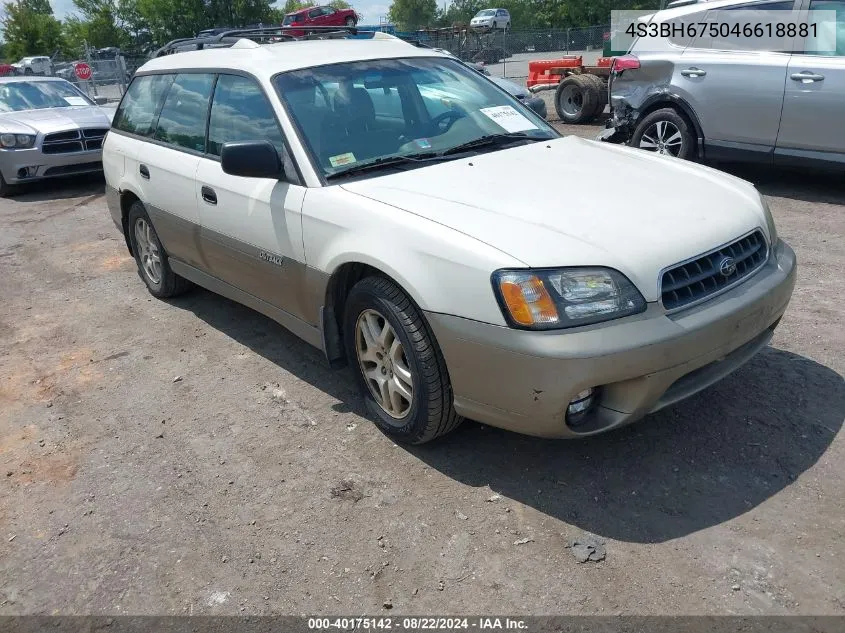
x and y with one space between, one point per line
39 95
140 104
829 38
183 115
241 112
354 113
315 13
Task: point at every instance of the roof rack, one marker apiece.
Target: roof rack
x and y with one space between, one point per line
263 35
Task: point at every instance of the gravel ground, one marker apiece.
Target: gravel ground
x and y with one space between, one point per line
191 456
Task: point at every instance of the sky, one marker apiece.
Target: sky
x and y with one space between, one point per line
371 10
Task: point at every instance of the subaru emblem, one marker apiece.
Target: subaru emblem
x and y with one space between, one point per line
727 266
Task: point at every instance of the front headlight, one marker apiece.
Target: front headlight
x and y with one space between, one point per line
553 298
770 222
17 141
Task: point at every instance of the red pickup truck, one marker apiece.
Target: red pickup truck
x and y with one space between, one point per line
320 16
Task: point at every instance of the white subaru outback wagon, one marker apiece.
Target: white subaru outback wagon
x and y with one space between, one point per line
400 212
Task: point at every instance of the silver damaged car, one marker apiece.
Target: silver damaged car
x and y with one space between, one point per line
48 128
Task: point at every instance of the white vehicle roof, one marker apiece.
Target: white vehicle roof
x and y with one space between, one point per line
267 60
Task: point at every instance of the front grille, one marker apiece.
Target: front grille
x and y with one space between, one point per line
62 136
89 139
99 132
705 275
61 148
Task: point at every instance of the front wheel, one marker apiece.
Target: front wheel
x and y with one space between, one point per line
350 22
666 132
397 363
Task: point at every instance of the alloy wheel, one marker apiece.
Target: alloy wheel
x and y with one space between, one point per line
384 364
148 250
662 137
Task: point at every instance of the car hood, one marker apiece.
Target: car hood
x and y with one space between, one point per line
511 87
49 120
574 202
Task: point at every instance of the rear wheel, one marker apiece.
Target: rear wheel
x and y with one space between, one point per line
397 363
576 99
151 257
666 132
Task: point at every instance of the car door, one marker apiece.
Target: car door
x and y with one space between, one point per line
314 16
330 17
167 165
251 227
811 123
735 85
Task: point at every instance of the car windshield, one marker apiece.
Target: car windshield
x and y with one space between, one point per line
358 113
37 95
485 13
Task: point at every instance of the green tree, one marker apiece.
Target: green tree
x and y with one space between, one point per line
340 4
30 28
292 6
410 15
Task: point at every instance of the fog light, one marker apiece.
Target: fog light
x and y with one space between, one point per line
27 172
579 406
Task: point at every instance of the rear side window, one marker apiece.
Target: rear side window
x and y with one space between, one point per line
185 110
140 104
240 112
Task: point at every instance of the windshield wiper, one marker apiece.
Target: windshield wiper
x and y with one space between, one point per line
387 161
492 139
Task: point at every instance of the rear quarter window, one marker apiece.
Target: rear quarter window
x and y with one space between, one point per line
139 105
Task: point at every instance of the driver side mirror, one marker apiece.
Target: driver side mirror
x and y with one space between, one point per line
251 159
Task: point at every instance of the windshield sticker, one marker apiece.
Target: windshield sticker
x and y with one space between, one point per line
508 118
423 143
76 101
342 159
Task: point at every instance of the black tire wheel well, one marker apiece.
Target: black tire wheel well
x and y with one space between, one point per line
340 283
127 199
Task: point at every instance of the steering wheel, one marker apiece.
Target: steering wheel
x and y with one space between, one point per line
449 117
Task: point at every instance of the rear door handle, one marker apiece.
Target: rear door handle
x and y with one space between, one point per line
806 77
145 173
693 72
208 195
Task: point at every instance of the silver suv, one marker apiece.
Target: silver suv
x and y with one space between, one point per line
707 98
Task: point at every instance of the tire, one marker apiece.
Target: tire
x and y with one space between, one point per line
601 86
165 283
655 131
350 21
28 71
508 26
576 99
378 306
5 188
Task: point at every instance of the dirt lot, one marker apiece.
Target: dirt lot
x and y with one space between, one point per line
255 484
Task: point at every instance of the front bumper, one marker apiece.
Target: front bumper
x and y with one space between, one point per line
38 166
524 381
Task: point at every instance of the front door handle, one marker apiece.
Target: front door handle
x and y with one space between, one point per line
693 72
145 173
806 77
208 195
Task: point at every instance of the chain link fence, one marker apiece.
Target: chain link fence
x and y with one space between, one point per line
111 72
508 52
